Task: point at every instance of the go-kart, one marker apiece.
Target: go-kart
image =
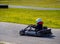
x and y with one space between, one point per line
31 32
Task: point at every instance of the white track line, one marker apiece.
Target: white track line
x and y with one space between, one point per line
30 7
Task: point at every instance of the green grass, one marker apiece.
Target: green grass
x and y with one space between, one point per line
51 18
39 3
1 43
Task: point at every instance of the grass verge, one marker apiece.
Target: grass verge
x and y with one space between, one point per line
51 18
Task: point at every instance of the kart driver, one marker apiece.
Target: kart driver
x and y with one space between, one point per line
39 25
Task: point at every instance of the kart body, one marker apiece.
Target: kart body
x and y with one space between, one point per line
31 32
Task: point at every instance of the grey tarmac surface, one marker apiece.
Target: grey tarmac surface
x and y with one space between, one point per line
9 32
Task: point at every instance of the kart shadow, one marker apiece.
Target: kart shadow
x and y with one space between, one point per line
50 37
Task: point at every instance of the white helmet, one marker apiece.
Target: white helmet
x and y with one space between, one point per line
38 20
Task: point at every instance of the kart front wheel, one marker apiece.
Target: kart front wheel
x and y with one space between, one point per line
21 33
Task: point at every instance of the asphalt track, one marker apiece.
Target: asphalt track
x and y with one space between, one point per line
9 32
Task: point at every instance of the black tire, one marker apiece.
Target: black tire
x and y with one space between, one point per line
21 33
50 31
